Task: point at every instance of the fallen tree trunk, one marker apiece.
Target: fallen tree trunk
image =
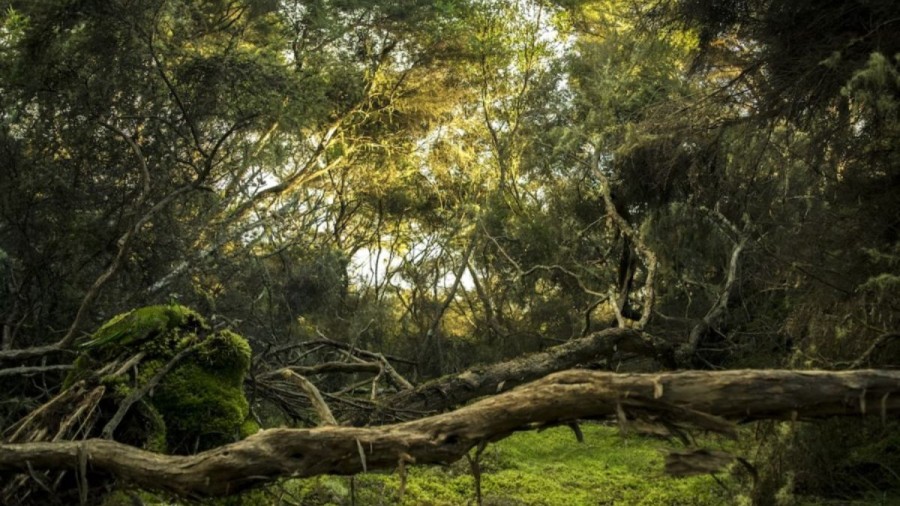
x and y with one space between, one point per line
448 392
707 399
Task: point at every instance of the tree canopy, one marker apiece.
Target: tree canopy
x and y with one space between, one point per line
416 204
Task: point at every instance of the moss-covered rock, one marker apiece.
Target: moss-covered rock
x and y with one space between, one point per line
199 404
139 325
202 400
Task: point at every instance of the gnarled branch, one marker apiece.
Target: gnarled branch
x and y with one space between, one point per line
557 399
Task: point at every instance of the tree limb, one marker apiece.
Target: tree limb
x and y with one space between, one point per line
123 243
717 311
720 306
878 343
24 370
450 391
329 367
315 397
740 395
647 255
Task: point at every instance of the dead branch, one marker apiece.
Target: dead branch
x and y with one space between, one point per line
323 340
313 394
123 243
717 311
719 307
330 367
400 381
455 390
25 370
739 395
647 255
47 419
878 343
35 351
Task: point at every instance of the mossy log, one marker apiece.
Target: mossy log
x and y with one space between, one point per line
711 400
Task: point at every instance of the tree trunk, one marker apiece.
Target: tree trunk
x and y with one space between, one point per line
704 399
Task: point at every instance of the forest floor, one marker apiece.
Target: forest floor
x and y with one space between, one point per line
539 468
547 468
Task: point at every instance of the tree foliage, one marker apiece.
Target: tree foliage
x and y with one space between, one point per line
418 188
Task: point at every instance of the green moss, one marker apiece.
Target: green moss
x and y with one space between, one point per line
155 429
138 325
199 404
248 428
202 409
202 399
226 355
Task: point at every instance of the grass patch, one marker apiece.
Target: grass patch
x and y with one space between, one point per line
548 468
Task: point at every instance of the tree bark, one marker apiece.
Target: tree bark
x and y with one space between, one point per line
448 392
708 399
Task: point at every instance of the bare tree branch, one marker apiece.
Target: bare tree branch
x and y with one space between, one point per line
738 395
123 243
647 254
451 391
878 343
25 370
720 306
327 367
315 397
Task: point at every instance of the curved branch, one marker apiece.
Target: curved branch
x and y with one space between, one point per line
25 370
455 390
329 367
878 343
647 255
717 311
557 399
315 397
720 306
